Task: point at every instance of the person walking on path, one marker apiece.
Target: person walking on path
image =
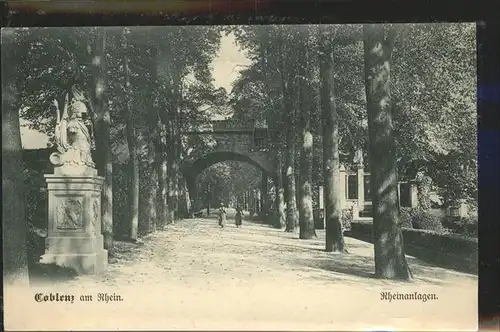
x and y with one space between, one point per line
222 215
238 216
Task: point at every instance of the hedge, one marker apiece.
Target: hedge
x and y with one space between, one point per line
448 250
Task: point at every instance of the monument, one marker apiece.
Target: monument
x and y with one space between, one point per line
360 179
74 238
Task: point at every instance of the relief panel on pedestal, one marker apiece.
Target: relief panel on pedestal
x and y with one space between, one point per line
69 213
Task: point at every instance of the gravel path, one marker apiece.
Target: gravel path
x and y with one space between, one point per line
195 275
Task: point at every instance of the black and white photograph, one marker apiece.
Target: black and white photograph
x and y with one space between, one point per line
240 177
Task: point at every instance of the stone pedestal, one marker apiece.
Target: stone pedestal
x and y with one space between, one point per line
258 207
321 205
264 198
321 198
74 238
343 187
413 193
360 175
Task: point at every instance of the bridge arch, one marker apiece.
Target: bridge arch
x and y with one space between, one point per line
191 169
199 165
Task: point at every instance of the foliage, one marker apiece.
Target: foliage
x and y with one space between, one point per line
228 181
258 93
35 198
35 243
406 217
434 93
432 84
421 219
466 226
58 58
170 83
120 200
347 218
455 177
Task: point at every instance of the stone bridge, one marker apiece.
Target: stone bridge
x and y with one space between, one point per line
230 141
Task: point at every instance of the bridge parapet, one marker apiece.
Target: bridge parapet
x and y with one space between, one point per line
229 139
232 145
232 125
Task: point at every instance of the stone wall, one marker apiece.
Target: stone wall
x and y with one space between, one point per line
446 250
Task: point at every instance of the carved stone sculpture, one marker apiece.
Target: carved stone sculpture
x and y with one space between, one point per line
69 214
74 238
73 138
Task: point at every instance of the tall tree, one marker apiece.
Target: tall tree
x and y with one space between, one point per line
165 156
102 127
288 76
259 94
273 119
152 173
306 220
133 191
390 260
15 263
280 193
334 236
157 134
161 163
181 96
152 146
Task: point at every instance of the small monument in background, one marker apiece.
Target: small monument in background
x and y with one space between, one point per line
360 175
74 238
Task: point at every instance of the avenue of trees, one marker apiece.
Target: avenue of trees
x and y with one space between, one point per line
403 95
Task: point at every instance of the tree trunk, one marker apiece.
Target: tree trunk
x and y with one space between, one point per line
334 236
264 197
175 145
168 153
273 119
175 181
291 202
171 193
390 260
153 181
102 129
133 192
160 120
15 261
306 219
280 195
172 175
290 192
288 75
186 198
162 171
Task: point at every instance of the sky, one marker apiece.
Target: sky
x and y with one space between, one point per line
228 63
226 67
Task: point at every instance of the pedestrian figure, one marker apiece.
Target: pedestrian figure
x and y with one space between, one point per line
222 215
238 216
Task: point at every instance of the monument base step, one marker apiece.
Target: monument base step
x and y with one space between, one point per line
95 263
74 244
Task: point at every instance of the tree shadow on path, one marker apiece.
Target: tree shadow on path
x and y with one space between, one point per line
354 268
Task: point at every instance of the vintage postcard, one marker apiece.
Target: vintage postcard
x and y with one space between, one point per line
263 177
